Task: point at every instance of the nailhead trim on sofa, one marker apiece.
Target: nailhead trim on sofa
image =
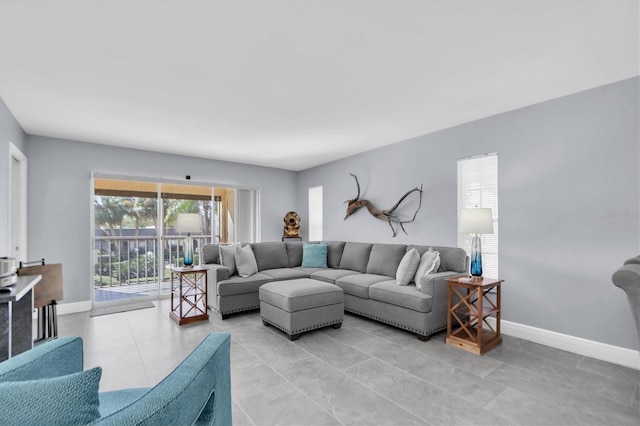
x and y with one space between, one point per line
395 324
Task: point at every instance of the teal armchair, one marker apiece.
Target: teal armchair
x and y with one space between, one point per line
47 385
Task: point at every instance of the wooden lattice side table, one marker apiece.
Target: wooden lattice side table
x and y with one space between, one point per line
470 305
188 295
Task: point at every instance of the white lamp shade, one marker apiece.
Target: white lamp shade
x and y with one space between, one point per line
475 221
188 223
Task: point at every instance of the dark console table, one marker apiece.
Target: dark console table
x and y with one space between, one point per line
45 296
16 307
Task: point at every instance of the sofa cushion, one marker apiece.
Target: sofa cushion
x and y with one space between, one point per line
64 400
240 285
271 255
358 284
335 249
356 256
314 255
385 258
309 271
211 253
285 273
405 296
408 267
246 261
294 253
228 257
331 275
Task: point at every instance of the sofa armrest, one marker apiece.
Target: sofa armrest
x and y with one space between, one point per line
198 391
633 261
55 358
627 278
435 285
215 274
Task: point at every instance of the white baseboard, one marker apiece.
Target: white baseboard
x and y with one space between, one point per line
602 351
73 308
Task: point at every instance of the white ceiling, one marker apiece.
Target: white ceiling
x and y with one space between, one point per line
294 84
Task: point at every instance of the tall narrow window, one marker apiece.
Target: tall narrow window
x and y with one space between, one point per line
478 187
315 213
247 216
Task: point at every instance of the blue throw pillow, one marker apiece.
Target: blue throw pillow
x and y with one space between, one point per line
314 255
65 400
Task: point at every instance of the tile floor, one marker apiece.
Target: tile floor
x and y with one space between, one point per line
365 373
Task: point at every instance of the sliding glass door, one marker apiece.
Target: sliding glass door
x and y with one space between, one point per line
136 240
126 241
184 200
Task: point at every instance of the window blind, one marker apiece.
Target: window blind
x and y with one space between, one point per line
478 187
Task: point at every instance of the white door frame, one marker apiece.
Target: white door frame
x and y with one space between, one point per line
17 211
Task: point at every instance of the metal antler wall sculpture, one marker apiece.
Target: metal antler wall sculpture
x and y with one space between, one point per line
389 215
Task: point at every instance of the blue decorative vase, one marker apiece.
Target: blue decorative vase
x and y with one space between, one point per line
476 257
188 251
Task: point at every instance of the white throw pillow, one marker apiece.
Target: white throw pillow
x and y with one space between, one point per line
246 261
228 257
408 266
429 264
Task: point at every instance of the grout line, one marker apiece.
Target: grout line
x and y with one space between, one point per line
288 381
347 376
241 409
250 322
135 341
383 396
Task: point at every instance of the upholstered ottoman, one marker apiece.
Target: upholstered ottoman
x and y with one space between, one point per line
295 306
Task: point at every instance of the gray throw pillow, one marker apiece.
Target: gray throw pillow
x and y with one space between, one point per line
228 257
429 264
408 267
246 261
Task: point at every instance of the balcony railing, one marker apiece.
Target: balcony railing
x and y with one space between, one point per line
125 261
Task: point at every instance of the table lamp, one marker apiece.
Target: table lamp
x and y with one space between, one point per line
188 223
475 221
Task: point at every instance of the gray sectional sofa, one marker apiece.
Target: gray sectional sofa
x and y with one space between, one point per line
366 272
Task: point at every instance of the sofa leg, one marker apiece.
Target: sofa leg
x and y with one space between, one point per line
337 326
265 323
224 316
423 338
293 337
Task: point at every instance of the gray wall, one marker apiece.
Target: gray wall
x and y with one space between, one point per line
10 132
568 195
59 196
569 172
